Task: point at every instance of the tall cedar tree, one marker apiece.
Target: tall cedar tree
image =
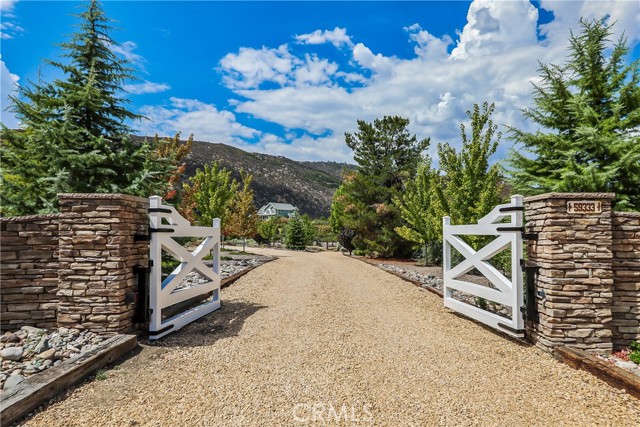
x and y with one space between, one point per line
591 104
243 217
208 195
387 155
417 206
74 136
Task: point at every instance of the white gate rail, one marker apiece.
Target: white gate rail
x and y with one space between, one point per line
504 291
166 223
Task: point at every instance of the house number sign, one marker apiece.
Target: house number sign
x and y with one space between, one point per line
584 206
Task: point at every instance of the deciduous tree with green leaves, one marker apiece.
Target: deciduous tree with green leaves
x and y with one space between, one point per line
242 220
271 228
75 137
589 112
418 208
208 195
468 186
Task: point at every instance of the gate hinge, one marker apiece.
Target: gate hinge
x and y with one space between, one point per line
141 237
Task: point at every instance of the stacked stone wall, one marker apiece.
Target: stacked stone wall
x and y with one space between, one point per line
75 268
29 271
626 272
588 280
98 253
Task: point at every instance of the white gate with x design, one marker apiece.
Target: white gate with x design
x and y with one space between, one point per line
460 294
190 280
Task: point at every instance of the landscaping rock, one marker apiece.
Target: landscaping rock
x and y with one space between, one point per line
9 337
32 350
47 354
12 353
12 381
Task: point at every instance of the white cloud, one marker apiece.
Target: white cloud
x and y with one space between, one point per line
626 15
337 37
146 87
316 100
193 116
249 68
255 68
428 46
496 27
9 30
126 51
7 5
8 86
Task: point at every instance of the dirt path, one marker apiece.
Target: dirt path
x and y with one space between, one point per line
321 339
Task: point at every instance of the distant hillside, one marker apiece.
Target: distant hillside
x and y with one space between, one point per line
307 185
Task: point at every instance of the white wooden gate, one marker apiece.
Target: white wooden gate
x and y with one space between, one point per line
503 291
166 223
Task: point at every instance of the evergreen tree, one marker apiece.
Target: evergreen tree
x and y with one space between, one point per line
295 236
243 218
387 155
417 206
209 195
309 228
75 129
589 108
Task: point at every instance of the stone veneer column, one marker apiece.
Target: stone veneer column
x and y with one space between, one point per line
574 253
626 271
97 253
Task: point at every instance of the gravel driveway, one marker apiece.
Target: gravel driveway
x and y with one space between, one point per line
321 339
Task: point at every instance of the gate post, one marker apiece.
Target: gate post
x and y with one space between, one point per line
98 252
574 284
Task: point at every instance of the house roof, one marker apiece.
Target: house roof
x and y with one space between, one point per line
283 206
277 206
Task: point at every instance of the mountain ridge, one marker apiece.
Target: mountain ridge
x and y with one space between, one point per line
307 185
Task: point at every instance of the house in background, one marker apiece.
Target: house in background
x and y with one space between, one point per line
277 209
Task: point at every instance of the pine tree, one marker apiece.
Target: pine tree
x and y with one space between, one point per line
243 218
387 155
589 108
209 195
75 129
295 235
417 206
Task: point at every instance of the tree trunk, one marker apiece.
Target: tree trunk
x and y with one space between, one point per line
426 246
243 244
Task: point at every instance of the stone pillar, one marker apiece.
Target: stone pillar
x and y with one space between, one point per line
574 284
97 254
626 271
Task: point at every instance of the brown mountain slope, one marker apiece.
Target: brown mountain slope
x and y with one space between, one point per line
307 185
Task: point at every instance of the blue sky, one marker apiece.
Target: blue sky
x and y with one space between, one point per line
289 78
